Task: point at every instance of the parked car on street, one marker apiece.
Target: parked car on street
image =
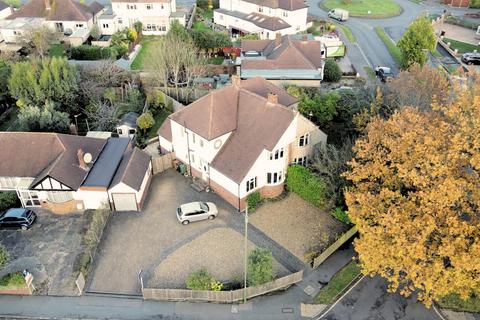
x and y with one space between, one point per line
385 74
471 58
196 211
338 14
17 218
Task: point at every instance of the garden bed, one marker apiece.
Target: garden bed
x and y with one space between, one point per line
13 283
462 47
338 284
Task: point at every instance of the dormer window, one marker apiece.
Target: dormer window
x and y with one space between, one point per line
304 140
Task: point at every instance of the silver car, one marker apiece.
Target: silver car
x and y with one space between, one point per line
196 211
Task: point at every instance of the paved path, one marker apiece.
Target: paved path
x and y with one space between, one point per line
260 239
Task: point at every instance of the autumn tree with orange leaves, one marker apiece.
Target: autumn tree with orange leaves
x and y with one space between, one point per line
416 198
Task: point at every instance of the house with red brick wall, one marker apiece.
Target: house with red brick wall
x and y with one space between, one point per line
241 138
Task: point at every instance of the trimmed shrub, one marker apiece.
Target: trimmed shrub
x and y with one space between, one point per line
331 72
253 200
202 280
260 267
308 186
341 215
86 52
3 256
8 200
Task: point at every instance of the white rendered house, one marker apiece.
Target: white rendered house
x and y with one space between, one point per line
66 173
241 138
155 16
71 18
265 18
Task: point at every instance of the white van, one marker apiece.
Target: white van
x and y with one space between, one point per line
339 14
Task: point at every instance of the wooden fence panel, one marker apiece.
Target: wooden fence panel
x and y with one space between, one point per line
221 296
162 163
330 250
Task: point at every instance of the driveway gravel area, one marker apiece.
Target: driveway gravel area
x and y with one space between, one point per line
138 241
48 250
297 225
220 251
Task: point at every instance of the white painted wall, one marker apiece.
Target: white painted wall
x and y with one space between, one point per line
5 13
92 199
263 164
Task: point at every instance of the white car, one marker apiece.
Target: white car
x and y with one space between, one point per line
196 211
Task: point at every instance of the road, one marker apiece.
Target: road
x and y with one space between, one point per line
369 49
369 300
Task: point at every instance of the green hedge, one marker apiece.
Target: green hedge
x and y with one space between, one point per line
253 200
8 200
308 186
3 256
341 215
87 52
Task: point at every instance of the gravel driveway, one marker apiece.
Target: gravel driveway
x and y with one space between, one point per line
48 250
296 225
134 241
220 251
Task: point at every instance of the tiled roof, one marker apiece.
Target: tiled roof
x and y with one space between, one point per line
60 10
260 20
244 110
282 4
132 169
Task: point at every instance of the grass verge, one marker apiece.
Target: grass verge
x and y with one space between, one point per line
338 284
347 32
370 72
366 8
454 302
391 46
159 117
462 47
13 281
147 44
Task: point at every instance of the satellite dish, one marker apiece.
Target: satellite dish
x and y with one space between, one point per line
87 157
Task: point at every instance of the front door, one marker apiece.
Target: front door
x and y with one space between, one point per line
205 170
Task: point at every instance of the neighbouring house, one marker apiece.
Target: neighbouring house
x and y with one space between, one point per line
5 10
71 19
128 125
286 59
264 18
155 16
67 173
241 138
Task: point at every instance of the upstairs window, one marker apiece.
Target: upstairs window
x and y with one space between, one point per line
274 177
278 154
105 25
149 6
285 13
251 184
304 140
300 161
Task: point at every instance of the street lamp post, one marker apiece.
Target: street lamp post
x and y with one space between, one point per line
76 121
245 256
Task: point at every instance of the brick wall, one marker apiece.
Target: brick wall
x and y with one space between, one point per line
457 3
63 208
272 191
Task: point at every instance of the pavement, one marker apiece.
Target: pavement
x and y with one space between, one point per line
284 305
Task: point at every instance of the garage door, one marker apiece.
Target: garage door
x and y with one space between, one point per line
124 201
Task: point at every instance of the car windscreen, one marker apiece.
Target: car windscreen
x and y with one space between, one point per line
204 206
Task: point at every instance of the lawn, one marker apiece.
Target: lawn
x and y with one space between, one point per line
391 46
462 47
199 25
454 302
148 43
361 8
57 50
347 32
338 284
12 281
370 72
159 117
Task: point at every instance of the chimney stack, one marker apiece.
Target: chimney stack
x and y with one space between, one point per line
48 6
236 80
278 39
81 161
272 98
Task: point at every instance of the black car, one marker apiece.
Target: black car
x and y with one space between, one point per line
385 74
471 58
17 218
